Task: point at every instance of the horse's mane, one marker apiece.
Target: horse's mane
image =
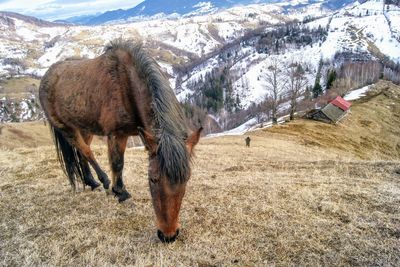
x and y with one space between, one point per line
170 127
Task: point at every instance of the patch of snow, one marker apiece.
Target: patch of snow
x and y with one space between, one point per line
250 125
394 17
321 22
203 7
372 7
52 55
36 72
357 94
24 30
240 130
52 31
26 112
169 70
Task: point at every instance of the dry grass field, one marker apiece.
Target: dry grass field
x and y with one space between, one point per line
18 88
304 194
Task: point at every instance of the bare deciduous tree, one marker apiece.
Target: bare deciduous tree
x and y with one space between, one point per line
275 84
352 75
392 75
259 111
296 83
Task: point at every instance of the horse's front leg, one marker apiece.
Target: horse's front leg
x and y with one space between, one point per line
116 150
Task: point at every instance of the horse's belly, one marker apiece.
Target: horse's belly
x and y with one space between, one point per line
80 109
84 119
102 119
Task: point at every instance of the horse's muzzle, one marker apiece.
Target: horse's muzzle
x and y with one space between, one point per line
166 239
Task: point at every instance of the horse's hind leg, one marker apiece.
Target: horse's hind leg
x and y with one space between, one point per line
87 174
116 150
78 141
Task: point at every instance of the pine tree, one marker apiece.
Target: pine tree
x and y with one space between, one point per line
237 103
317 89
331 77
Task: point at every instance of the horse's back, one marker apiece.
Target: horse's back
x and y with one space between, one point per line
66 74
82 93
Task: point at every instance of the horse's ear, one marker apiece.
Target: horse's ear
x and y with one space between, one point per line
193 139
148 140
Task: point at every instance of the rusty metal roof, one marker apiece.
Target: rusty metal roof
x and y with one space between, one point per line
341 103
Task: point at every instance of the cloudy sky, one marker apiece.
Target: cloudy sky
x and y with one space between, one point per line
61 9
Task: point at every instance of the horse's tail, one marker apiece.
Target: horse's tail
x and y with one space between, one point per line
69 157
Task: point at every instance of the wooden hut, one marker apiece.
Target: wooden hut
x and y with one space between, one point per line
333 112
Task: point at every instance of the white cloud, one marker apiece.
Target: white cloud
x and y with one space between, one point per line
22 4
61 9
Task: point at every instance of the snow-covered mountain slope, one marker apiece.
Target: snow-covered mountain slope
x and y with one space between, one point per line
367 30
176 8
173 41
4 15
370 28
150 8
364 27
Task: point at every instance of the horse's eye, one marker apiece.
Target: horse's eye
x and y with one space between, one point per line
153 180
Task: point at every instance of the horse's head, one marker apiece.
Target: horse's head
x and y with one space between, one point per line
167 179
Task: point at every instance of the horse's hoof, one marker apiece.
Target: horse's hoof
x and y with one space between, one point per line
122 195
95 186
106 185
104 180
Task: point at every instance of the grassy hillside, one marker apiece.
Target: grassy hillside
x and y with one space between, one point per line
370 131
24 135
305 193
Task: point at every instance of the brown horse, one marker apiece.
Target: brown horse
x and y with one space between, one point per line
119 94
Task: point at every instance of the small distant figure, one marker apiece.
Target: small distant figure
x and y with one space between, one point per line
247 141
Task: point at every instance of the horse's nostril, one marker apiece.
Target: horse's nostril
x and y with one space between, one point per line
165 239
